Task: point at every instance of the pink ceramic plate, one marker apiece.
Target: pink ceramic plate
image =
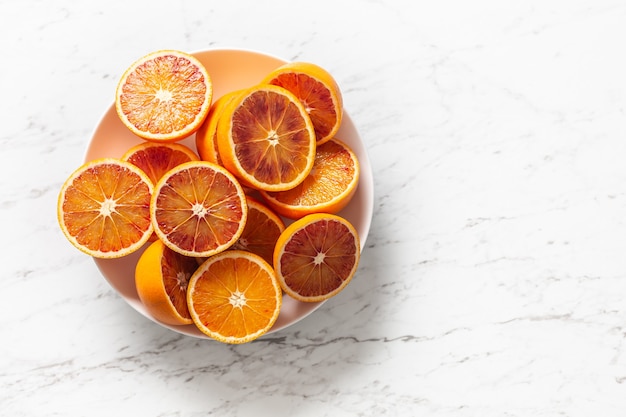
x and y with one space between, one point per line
230 69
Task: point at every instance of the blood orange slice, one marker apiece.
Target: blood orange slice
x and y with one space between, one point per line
266 138
263 227
161 279
328 188
164 96
317 90
155 159
234 297
198 209
104 208
316 257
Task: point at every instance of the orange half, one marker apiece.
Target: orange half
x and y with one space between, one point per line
263 227
266 138
104 208
328 188
164 96
155 159
318 92
198 209
161 279
316 257
234 297
206 136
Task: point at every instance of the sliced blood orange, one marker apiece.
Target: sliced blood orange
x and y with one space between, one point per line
161 279
266 138
155 159
164 96
263 227
316 256
234 297
206 136
317 90
328 188
104 208
198 209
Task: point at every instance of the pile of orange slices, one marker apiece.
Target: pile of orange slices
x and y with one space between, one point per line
227 228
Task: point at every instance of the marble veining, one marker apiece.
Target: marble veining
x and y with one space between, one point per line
493 279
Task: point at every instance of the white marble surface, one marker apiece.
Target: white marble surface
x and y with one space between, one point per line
493 282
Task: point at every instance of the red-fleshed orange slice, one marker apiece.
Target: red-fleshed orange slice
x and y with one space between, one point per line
328 188
316 256
317 90
155 159
263 227
161 279
266 139
104 208
198 209
164 96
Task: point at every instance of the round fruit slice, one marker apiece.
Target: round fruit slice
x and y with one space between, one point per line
104 208
317 90
164 96
198 209
316 257
161 278
328 188
263 227
234 297
155 159
266 138
206 136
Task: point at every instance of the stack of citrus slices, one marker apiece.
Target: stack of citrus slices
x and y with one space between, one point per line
227 228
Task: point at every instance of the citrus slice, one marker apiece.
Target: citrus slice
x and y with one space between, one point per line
316 257
155 159
161 279
263 227
266 138
164 96
317 90
206 136
198 209
234 297
104 208
328 188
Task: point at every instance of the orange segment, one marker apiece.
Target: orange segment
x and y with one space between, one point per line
317 90
161 278
316 257
198 209
263 227
328 188
266 138
155 159
234 297
206 136
164 96
104 208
